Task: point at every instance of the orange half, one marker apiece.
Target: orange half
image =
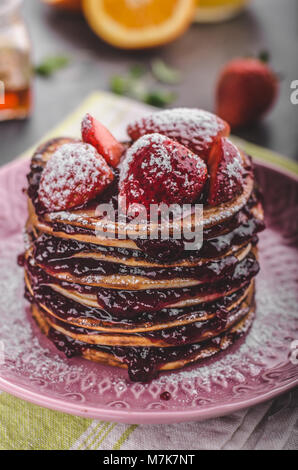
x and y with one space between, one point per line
137 24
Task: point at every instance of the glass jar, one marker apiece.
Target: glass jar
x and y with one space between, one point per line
15 62
212 11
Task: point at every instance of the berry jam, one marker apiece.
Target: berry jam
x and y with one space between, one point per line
80 267
143 363
176 336
48 248
67 310
125 304
121 302
166 396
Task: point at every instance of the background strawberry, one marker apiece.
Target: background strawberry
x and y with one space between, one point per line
246 90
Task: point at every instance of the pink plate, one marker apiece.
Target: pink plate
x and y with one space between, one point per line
263 366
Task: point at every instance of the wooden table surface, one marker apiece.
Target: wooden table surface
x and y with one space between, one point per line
267 24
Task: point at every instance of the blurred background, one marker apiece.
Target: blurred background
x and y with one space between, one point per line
66 59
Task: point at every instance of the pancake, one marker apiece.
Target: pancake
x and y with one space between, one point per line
68 270
143 367
76 314
140 303
118 302
183 334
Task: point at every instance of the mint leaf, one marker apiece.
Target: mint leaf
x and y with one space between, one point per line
134 85
165 74
119 84
160 98
50 65
137 71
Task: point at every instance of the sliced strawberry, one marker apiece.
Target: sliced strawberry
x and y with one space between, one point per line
94 133
75 174
158 170
194 128
226 172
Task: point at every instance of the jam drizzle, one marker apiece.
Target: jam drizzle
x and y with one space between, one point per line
127 304
144 363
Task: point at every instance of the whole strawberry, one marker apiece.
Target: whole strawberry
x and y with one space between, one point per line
246 90
196 129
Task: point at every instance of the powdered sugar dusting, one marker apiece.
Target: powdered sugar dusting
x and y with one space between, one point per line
159 170
86 122
234 168
23 351
75 170
194 128
161 157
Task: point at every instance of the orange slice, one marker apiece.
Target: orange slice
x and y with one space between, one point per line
75 5
136 24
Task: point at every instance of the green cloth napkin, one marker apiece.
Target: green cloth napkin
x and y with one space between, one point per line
26 426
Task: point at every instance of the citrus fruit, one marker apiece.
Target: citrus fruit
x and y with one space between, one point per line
137 24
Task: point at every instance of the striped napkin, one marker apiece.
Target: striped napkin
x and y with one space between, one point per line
270 425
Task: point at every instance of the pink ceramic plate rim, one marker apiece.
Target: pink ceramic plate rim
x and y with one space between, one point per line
148 417
139 417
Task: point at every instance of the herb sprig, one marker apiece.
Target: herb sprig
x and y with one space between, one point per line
49 65
137 83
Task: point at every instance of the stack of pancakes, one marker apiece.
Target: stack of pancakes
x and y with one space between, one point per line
145 305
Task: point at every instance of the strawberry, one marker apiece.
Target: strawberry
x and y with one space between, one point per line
246 90
94 133
226 172
194 128
157 170
74 174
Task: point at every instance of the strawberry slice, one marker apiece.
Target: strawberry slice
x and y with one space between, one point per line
194 128
158 170
94 133
226 172
74 175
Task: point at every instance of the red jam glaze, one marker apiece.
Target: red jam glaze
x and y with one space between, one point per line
87 266
166 396
48 249
176 336
143 363
119 302
66 308
122 303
